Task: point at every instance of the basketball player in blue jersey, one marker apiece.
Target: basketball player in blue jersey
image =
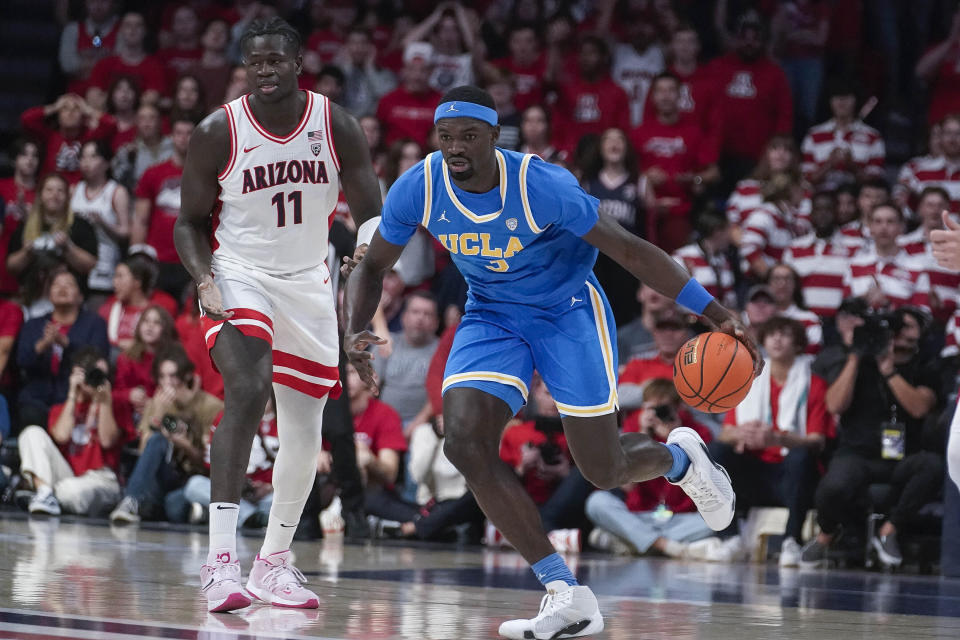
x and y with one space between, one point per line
525 236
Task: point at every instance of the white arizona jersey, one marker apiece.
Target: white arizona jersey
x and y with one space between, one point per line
278 195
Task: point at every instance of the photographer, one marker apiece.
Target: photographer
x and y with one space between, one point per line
655 515
72 464
882 394
172 430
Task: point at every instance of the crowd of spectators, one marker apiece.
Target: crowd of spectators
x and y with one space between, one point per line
761 143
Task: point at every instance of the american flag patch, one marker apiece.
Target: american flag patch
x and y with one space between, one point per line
315 138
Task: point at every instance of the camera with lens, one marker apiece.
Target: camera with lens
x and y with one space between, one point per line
550 451
170 423
873 337
94 377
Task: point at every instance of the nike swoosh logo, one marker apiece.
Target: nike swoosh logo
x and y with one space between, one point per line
287 526
220 507
207 586
249 149
326 280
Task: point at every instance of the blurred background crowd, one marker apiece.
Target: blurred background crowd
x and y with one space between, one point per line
793 155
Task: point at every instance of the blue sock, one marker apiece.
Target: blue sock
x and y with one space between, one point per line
553 568
680 463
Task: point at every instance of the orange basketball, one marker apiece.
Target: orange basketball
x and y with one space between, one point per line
713 372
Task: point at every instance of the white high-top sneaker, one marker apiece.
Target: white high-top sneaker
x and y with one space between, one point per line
565 612
706 482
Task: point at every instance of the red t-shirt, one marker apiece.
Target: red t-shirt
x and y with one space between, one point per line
588 107
149 71
698 101
11 319
380 427
819 419
160 184
125 318
192 338
527 79
16 203
132 374
647 496
676 149
511 452
83 452
60 154
639 370
754 98
177 61
438 363
405 115
945 95
327 44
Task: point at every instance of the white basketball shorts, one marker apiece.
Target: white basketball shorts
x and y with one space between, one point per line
294 313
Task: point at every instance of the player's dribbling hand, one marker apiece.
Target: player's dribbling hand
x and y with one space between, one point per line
211 300
355 345
735 328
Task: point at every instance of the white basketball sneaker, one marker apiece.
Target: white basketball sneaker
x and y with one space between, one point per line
220 583
565 612
274 579
706 482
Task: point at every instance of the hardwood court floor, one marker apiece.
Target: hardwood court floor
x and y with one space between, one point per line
74 579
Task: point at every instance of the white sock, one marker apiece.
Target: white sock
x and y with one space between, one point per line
43 490
299 418
223 531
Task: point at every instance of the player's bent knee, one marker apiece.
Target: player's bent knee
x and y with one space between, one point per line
602 476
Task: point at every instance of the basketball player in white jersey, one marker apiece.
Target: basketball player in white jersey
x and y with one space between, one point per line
259 189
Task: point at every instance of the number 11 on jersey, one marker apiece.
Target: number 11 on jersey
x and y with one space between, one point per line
296 198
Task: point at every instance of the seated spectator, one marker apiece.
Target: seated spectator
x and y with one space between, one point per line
123 101
133 289
84 42
940 170
821 257
881 273
670 330
843 149
75 123
653 516
402 374
637 54
759 307
501 88
770 228
784 284
453 40
47 343
677 163
130 58
183 50
708 259
537 450
401 155
755 99
16 198
173 428
364 81
526 63
901 190
407 111
192 501
635 339
72 464
610 174
848 214
150 147
855 225
536 135
238 85
212 68
770 443
938 284
154 333
590 102
882 393
105 204
780 156
189 100
52 232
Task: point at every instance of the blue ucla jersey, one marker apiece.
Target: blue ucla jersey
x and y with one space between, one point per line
518 243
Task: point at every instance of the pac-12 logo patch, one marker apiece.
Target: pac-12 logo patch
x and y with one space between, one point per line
512 224
315 138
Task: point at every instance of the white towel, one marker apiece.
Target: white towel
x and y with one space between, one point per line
792 407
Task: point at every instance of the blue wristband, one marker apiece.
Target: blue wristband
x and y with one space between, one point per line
694 297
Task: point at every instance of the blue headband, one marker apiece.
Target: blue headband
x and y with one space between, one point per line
465 110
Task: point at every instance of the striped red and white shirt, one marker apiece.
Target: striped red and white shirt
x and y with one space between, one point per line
712 271
811 324
914 242
855 235
821 263
864 143
768 231
938 289
951 347
747 196
892 275
930 171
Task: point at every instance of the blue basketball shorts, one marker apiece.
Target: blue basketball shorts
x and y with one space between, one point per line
572 346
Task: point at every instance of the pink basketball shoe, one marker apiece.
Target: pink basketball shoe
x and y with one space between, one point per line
220 583
273 579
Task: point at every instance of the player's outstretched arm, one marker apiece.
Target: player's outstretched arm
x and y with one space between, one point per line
651 265
361 298
207 155
357 178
